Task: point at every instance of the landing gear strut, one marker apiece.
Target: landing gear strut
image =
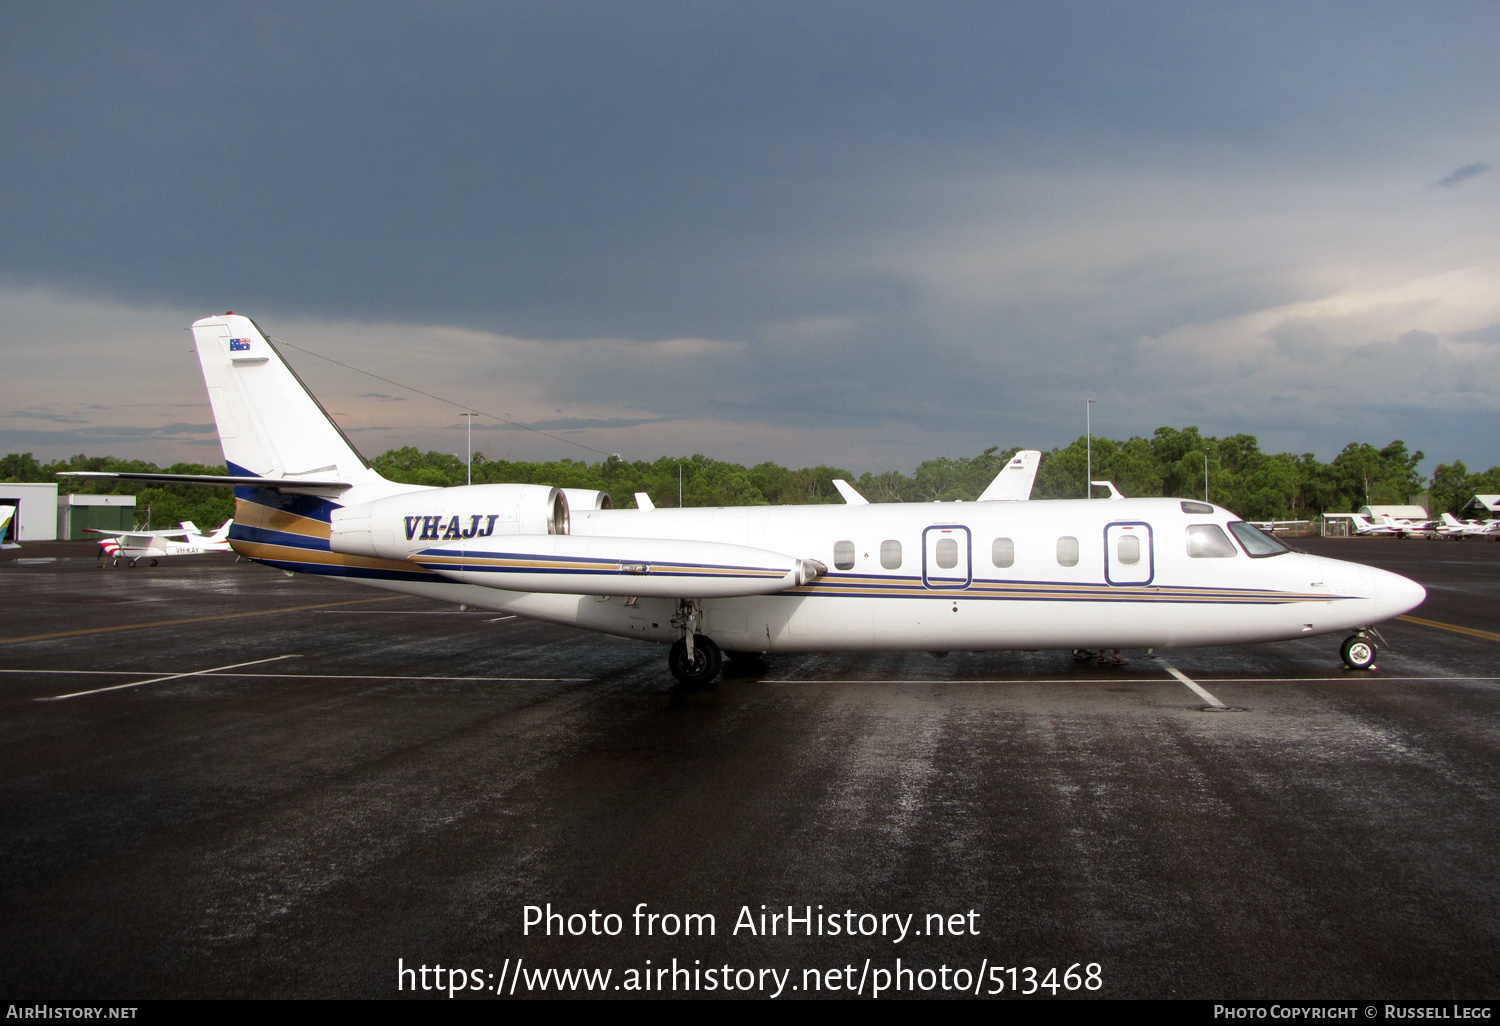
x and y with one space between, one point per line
1359 652
694 659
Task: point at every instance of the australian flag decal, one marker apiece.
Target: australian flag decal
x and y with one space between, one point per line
239 345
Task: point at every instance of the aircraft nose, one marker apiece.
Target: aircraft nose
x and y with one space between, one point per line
1396 594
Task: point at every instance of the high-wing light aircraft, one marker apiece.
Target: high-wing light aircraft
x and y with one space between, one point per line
1449 526
153 545
934 576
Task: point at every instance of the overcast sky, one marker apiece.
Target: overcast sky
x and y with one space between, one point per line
856 233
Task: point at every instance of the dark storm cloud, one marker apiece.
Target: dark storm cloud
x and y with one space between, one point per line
90 439
579 168
565 423
942 217
1462 174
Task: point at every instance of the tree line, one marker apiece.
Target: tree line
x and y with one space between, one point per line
1232 471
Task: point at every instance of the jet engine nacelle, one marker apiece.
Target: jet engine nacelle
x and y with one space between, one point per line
397 526
582 500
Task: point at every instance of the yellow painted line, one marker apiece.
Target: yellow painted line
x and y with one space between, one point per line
196 619
1455 628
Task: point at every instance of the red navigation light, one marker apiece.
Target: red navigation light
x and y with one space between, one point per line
228 313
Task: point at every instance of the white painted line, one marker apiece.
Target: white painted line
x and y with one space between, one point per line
1174 671
499 618
299 676
173 676
391 676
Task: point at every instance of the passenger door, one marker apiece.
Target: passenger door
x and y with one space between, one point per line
1127 554
945 557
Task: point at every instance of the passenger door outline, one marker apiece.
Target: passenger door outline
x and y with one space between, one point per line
962 574
1120 574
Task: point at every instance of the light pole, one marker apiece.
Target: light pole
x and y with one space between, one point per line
1088 428
469 418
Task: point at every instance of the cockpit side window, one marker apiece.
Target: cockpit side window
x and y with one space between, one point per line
1257 543
1208 541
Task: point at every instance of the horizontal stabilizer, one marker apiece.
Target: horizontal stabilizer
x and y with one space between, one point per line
1015 481
642 567
283 484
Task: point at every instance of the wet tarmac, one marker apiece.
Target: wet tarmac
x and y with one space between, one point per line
270 786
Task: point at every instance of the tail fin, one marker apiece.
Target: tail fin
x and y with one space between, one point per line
269 423
1015 481
222 534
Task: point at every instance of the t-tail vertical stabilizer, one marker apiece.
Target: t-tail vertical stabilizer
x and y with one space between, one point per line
1015 481
269 423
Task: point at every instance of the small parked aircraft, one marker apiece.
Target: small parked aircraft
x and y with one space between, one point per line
7 514
1378 527
930 576
153 545
1449 526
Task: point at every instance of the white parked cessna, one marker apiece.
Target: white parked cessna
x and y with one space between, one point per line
154 545
1449 526
1066 574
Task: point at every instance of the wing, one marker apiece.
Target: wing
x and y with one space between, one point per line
643 567
137 537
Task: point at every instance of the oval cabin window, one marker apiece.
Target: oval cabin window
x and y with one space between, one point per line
843 555
1067 551
1129 549
1003 552
947 553
890 554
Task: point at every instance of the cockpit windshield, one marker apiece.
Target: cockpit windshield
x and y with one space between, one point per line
1256 542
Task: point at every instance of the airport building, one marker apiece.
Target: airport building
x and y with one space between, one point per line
44 515
1416 513
77 513
1486 506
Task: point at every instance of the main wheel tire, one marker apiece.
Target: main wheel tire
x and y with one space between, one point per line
153 562
1358 652
706 664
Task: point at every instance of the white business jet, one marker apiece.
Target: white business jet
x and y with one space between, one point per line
154 545
984 575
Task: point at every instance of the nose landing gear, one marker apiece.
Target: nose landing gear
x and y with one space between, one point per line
1359 652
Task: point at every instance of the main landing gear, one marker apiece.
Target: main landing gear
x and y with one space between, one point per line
1359 651
694 660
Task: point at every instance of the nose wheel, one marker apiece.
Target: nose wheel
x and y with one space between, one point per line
1359 652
